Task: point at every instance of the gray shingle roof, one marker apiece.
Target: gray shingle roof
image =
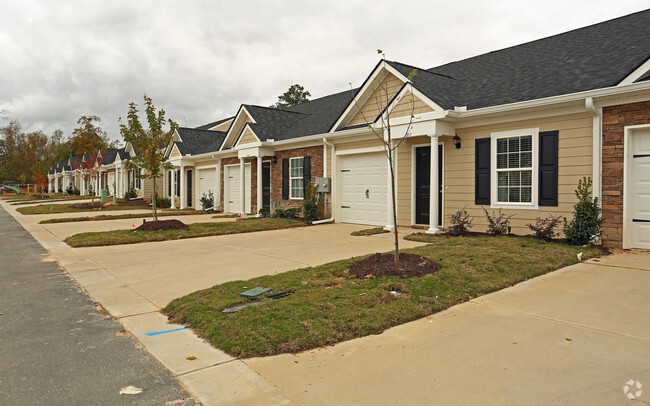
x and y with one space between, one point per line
108 156
588 58
210 125
197 141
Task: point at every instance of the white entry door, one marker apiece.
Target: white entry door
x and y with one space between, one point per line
233 187
639 190
363 182
207 182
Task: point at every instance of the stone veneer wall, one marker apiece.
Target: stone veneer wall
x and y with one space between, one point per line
615 119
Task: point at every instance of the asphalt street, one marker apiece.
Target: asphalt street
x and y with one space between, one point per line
57 347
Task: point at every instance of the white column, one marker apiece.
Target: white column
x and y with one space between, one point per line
259 183
173 195
433 187
242 186
183 191
217 193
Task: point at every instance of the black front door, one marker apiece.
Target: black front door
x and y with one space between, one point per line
266 185
423 185
189 188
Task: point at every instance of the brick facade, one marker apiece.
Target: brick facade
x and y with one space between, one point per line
615 119
316 154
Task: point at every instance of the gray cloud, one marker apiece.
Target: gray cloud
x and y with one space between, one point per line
200 60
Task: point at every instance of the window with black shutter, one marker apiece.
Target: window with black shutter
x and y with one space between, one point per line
548 168
285 178
482 171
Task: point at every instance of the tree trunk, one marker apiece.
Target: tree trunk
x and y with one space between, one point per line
153 199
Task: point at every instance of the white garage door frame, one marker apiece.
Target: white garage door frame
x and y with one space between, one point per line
361 152
210 171
247 193
630 133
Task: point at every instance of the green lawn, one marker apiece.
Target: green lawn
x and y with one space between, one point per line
67 208
369 231
100 217
119 237
331 306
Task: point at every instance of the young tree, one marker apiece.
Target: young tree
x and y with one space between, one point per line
295 95
383 131
41 180
89 170
88 137
149 143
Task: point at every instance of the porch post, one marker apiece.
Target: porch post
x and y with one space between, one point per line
183 192
433 187
259 183
217 193
242 186
173 194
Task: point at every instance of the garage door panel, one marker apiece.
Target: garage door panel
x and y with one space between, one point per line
207 182
233 187
363 188
639 184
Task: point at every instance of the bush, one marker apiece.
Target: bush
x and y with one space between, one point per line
460 223
586 222
310 205
545 228
287 213
264 212
72 190
498 223
130 194
163 202
207 200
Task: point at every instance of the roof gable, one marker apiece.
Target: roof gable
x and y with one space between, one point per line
241 119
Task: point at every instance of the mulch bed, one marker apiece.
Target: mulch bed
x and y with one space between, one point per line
161 225
99 205
96 205
137 202
408 265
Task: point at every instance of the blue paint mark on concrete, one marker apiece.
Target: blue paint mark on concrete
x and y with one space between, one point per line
163 332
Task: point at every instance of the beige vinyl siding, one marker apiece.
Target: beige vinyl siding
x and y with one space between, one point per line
148 187
240 124
175 152
248 137
574 162
223 126
409 104
378 100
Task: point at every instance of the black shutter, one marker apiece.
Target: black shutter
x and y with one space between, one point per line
306 174
285 178
482 176
548 152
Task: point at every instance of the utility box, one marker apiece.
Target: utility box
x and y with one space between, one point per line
104 195
323 185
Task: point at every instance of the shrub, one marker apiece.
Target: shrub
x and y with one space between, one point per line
287 213
72 190
586 222
207 200
130 194
545 228
310 205
460 222
163 202
498 223
264 212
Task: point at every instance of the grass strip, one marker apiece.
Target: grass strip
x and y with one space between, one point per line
330 306
102 217
369 231
119 237
68 208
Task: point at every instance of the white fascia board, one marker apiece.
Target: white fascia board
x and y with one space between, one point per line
230 134
637 73
361 97
251 130
177 134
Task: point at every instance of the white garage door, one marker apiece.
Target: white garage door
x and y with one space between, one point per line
640 191
206 182
363 188
110 180
233 185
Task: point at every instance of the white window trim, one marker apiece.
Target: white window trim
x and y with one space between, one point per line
534 205
291 197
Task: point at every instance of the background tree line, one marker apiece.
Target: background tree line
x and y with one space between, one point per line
24 155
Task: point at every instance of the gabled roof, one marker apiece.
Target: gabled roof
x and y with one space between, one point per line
214 124
108 156
123 154
593 57
196 141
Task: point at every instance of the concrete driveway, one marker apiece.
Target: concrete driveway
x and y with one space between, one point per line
575 336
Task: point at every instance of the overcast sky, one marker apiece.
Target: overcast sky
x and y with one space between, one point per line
199 60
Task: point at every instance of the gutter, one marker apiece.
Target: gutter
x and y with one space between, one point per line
326 144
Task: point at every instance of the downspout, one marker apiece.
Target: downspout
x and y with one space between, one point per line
597 142
325 145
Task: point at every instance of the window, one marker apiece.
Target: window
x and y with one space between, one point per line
137 178
514 168
296 183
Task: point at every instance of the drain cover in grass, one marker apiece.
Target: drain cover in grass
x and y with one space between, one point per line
255 292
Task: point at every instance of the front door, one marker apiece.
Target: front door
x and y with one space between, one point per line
266 185
189 188
423 184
